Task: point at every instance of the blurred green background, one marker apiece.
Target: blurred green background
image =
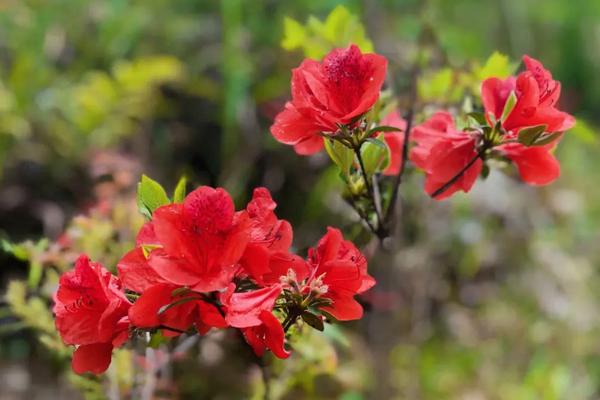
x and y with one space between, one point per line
491 295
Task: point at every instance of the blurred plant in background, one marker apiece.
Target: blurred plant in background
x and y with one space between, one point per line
490 296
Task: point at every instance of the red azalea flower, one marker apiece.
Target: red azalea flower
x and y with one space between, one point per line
91 312
442 152
537 94
252 312
339 272
335 91
394 140
197 244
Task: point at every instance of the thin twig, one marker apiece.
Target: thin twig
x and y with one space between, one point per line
409 122
460 173
361 214
369 188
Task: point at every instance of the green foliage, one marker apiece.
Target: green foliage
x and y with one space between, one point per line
180 190
106 107
316 38
497 65
438 86
509 106
340 154
528 136
150 196
449 85
376 155
35 314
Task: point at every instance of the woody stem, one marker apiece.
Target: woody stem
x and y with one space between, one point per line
460 173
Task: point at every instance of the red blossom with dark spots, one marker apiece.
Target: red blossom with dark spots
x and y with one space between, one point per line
327 94
91 312
197 244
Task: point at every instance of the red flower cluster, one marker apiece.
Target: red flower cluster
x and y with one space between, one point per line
200 265
442 151
327 94
91 313
329 98
537 94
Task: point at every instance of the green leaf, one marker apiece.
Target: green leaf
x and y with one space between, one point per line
528 136
436 86
313 320
316 38
377 142
375 154
294 34
509 106
497 65
384 128
150 196
478 117
341 155
547 139
180 190
18 251
180 301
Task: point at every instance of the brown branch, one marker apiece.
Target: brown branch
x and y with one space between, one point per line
409 122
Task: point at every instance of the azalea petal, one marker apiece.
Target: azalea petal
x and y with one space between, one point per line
291 127
494 94
210 315
244 309
173 270
310 145
135 273
94 358
209 209
254 338
536 165
373 83
274 334
144 312
344 309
